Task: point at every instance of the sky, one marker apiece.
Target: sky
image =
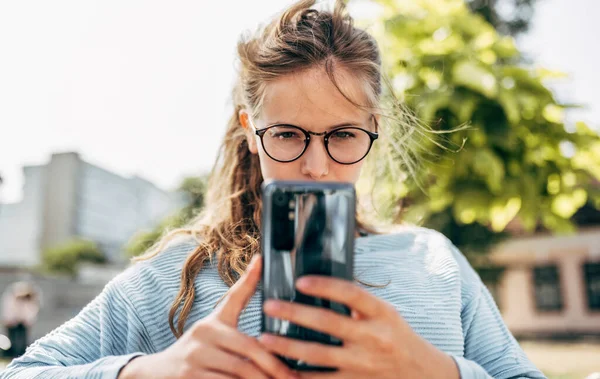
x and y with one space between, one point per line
141 87
564 37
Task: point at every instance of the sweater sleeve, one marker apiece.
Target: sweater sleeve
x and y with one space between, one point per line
96 343
491 351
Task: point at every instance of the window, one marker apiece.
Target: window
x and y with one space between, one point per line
547 288
591 273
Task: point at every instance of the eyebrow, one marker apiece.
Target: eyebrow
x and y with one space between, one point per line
329 128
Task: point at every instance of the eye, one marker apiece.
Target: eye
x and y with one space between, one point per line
343 134
283 133
286 135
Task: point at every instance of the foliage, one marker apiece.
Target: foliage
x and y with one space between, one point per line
517 161
65 258
194 188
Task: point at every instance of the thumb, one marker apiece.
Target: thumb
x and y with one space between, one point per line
240 293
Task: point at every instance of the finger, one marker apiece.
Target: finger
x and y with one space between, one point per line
214 375
322 320
240 293
231 340
222 362
344 292
322 375
310 352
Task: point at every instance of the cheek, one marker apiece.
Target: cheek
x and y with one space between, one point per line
346 173
273 170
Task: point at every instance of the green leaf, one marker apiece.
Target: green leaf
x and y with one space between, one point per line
472 75
490 167
506 47
553 186
503 211
485 40
444 47
431 104
440 201
584 130
545 73
557 224
463 105
510 105
470 206
553 113
565 205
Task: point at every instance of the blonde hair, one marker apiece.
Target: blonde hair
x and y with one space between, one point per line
228 228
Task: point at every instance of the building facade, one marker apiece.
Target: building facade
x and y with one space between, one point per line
68 198
550 284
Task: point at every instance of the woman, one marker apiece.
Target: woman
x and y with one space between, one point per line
305 77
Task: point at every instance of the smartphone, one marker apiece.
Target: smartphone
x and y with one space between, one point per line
307 229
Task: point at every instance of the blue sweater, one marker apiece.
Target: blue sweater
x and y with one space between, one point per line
431 285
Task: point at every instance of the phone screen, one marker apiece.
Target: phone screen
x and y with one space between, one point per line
308 229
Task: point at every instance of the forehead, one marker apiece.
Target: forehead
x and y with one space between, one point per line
310 99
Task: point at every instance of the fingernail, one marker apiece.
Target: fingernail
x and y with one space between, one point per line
271 306
303 283
266 338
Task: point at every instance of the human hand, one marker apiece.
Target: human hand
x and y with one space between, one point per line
213 347
378 342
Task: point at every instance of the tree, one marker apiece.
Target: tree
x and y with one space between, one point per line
194 187
516 162
65 258
508 17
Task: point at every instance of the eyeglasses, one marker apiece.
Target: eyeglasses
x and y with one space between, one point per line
345 145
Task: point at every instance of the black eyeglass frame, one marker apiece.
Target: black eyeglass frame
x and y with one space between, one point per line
261 132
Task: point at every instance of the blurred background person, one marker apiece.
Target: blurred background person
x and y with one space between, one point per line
20 307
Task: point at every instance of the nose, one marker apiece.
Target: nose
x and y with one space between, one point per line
315 160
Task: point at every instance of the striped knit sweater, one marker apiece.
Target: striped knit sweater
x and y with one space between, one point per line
430 283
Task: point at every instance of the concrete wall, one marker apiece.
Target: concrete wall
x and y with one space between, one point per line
516 288
21 223
60 191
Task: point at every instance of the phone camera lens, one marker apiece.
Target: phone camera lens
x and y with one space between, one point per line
280 199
